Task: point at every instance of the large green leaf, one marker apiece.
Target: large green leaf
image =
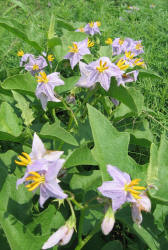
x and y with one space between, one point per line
55 131
80 156
111 146
115 245
69 83
105 51
25 82
157 174
10 126
23 105
17 29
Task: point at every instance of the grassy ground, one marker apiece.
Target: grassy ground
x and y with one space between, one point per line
147 24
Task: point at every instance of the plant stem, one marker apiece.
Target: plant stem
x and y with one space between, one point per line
83 242
82 214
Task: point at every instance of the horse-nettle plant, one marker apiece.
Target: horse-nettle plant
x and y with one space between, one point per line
78 95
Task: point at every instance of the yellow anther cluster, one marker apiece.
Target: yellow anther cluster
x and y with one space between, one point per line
132 188
36 179
138 46
109 41
42 78
73 49
91 24
139 62
98 23
121 64
102 67
35 67
50 58
90 43
121 42
24 160
129 54
20 53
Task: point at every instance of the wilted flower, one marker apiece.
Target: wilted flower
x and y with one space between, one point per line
108 221
127 77
143 204
35 65
80 29
109 41
77 52
98 71
24 57
45 88
62 236
92 28
121 189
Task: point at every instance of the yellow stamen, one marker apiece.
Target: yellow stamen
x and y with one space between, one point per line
35 67
138 46
43 78
132 188
36 179
121 42
90 43
91 24
138 62
98 23
129 54
50 58
24 161
121 64
102 67
109 41
20 53
73 49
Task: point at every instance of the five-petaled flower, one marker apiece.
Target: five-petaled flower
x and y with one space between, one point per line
45 88
77 51
92 28
98 71
35 65
121 189
42 170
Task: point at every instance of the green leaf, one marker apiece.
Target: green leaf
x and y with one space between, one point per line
115 245
69 83
55 131
17 29
105 51
10 127
86 181
111 146
147 73
62 23
122 94
23 105
157 174
80 156
51 31
25 82
55 41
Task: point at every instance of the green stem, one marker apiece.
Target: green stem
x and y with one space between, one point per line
92 233
72 116
80 229
71 207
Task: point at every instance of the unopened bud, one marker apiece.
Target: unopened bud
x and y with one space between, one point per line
108 221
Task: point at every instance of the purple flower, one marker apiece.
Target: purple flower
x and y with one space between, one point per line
121 189
80 29
119 46
77 52
98 71
92 28
143 204
43 174
136 48
127 77
45 88
35 65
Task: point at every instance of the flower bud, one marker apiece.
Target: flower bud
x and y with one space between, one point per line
108 221
67 237
136 214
